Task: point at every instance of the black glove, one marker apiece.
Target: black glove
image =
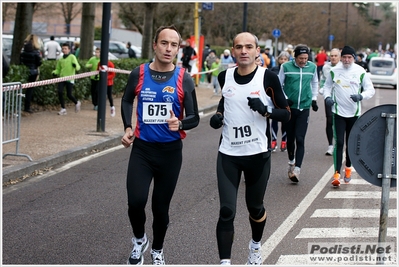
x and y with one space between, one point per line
96 77
315 107
74 65
216 121
256 105
329 101
357 98
290 102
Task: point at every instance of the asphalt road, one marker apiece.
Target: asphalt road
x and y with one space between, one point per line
77 214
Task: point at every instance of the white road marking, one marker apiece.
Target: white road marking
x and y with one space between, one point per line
58 170
351 213
278 235
358 194
343 232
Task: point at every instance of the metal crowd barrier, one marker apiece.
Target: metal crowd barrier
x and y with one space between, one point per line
12 104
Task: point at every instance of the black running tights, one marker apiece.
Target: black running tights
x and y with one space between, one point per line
160 162
256 169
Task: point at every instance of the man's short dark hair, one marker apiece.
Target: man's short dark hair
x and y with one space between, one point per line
171 27
52 37
66 44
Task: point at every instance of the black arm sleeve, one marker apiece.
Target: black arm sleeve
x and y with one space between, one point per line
221 79
192 118
281 111
128 98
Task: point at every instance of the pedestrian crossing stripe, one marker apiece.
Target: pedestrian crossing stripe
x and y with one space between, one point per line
344 232
357 181
358 194
351 213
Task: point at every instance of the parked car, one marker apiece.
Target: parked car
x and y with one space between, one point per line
71 41
6 44
383 71
7 40
119 49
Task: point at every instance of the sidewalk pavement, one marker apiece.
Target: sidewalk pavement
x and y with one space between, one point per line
50 139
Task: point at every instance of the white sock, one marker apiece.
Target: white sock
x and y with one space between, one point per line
255 245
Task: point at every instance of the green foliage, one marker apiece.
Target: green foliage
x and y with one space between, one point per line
97 33
47 95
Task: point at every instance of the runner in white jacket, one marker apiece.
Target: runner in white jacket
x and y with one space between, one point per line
347 85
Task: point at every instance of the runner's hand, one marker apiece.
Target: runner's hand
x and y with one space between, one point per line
216 121
173 122
257 105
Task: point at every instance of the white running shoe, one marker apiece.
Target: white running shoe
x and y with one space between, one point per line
139 247
330 151
112 111
77 106
255 255
291 166
157 257
225 262
295 175
62 112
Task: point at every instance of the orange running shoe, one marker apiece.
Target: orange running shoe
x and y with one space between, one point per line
348 175
336 181
283 146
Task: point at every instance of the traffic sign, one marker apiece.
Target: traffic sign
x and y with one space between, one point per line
331 37
366 144
207 6
276 33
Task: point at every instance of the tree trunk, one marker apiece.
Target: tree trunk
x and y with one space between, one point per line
87 30
23 27
148 30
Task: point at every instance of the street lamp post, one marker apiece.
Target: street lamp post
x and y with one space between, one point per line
329 27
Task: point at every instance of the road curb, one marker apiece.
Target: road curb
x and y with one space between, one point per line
19 171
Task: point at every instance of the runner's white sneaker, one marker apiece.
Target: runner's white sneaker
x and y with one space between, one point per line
225 262
157 257
139 247
77 106
255 255
62 112
112 111
330 151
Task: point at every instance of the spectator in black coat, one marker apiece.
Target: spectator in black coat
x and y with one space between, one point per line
131 52
31 58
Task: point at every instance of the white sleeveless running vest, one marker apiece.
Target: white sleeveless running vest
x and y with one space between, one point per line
244 130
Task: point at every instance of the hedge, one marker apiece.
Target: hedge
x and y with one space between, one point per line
46 95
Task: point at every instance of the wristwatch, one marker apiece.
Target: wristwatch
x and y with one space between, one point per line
269 111
180 125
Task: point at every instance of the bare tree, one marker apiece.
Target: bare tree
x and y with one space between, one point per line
148 29
69 14
87 30
5 11
23 27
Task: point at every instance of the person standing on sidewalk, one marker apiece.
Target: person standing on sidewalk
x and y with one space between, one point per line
251 95
110 84
345 87
53 49
92 64
299 80
66 66
335 57
30 57
163 92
